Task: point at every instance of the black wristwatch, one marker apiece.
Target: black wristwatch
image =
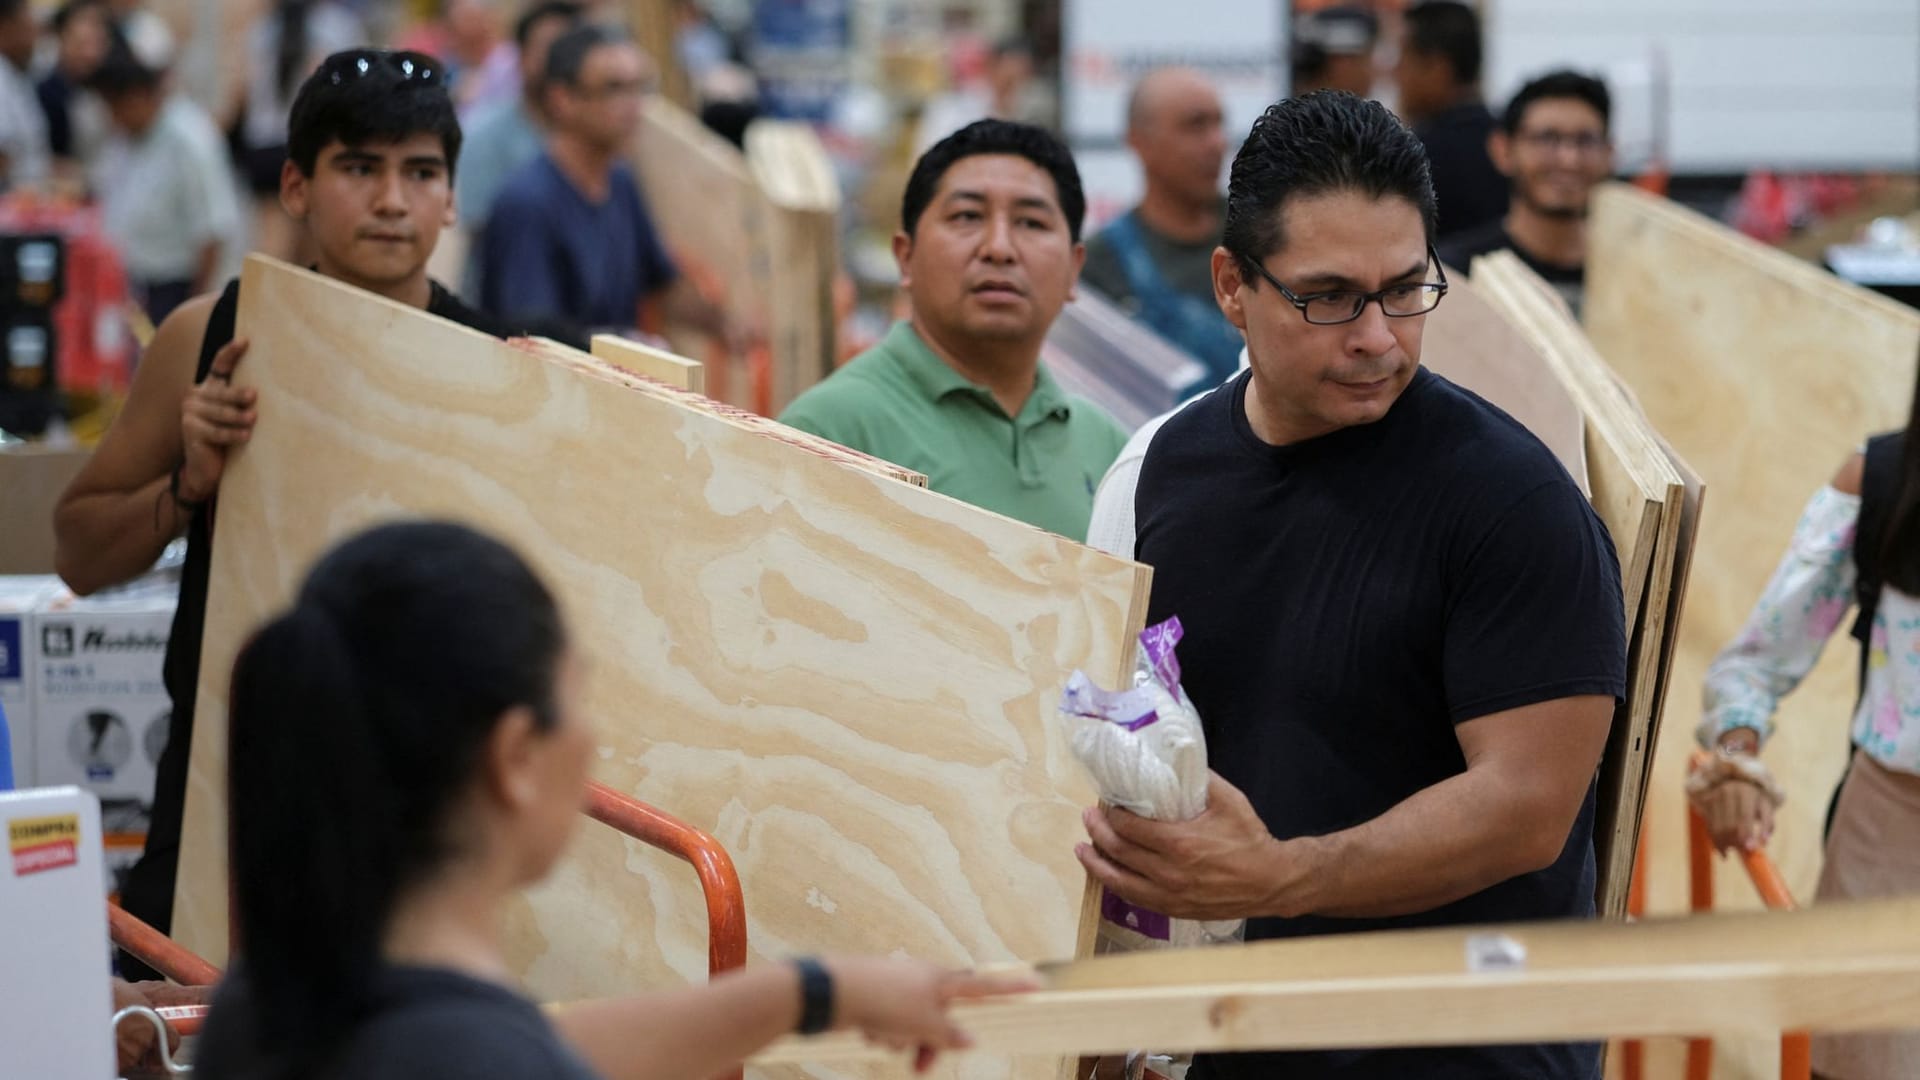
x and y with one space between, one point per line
816 996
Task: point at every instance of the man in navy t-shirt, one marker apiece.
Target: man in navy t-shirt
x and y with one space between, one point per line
1404 625
569 247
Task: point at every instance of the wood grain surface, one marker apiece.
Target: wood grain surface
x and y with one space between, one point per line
847 679
1765 373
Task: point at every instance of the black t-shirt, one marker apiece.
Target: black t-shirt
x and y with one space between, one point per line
422 1024
1469 190
148 891
1347 600
1460 249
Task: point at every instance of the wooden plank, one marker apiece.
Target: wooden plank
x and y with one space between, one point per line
1650 563
656 364
1836 968
1765 373
847 679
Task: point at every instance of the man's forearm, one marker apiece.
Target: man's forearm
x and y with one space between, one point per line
1447 842
105 538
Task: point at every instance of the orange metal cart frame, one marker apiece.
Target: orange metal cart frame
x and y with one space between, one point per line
1795 1048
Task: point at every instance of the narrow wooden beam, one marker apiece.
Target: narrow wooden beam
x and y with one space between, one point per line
1837 968
676 371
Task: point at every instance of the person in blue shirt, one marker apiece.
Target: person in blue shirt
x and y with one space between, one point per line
569 245
503 139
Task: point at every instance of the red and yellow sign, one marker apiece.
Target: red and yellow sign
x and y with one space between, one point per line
44 843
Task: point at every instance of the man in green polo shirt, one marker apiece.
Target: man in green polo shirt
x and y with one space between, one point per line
989 251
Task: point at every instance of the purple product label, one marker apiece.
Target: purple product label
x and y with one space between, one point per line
1142 921
1158 640
1131 709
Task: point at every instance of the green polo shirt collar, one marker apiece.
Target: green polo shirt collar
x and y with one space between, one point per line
938 381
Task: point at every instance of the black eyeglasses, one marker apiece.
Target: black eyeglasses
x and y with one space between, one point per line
1344 306
359 63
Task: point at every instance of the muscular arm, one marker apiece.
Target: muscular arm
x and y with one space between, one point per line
1509 814
117 514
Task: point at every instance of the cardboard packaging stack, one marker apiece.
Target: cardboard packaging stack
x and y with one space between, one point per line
81 682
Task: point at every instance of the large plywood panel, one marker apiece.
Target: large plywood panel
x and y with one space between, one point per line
847 679
1765 373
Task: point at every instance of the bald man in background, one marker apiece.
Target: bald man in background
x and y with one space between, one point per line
1156 260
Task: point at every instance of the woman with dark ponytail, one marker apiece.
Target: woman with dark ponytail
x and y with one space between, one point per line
1857 544
406 755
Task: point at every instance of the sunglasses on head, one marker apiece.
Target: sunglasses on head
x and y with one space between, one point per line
413 67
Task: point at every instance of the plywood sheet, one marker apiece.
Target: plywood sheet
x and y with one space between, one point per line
1765 373
788 161
847 679
1638 493
1847 967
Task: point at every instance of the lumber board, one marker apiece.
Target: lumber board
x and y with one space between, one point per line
1648 567
1476 347
657 364
1845 967
845 678
1765 373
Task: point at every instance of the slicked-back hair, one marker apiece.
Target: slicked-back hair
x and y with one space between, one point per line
1327 141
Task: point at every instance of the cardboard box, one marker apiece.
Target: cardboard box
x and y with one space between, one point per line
32 479
100 704
19 598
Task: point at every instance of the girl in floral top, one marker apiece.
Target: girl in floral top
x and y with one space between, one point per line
1873 840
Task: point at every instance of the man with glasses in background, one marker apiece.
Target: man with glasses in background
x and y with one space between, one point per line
1553 144
372 145
1404 628
569 246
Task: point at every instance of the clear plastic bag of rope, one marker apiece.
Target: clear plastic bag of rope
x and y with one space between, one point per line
1144 747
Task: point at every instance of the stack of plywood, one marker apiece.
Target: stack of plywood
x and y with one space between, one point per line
756 231
1119 364
1766 373
1649 501
847 679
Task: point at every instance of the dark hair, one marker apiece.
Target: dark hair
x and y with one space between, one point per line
64 15
1326 141
1900 545
568 55
382 105
358 720
1036 144
568 10
1559 84
121 71
12 8
1449 29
